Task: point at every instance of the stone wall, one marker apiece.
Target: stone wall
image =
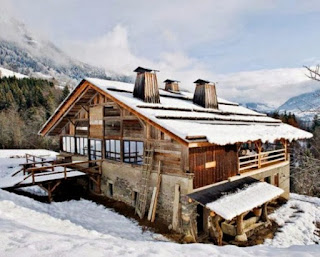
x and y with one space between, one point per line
126 180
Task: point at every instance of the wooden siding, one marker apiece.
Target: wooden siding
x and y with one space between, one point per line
221 163
96 122
205 95
146 87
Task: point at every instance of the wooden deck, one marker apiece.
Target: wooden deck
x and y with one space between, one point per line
48 174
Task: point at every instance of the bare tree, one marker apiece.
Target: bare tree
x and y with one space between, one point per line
314 73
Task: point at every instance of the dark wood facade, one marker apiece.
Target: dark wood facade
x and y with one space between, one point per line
213 164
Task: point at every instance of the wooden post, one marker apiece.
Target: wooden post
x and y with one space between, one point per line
259 147
175 216
100 168
99 184
157 194
152 203
240 226
285 144
264 215
33 180
216 229
65 172
49 193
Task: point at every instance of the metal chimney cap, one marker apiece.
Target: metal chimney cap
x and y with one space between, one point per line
201 81
171 81
141 69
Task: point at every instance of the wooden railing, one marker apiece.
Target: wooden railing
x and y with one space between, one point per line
34 158
259 160
51 170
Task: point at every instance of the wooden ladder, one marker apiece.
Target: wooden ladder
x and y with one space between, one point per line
146 171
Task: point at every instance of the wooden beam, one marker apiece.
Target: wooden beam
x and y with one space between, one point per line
127 107
157 193
176 201
80 90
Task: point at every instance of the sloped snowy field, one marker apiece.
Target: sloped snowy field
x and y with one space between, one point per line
84 228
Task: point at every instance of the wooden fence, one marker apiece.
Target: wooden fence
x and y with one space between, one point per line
259 160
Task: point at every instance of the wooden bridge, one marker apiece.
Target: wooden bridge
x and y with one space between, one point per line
49 174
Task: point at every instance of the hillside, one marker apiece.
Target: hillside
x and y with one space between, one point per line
305 106
25 104
260 107
25 52
9 73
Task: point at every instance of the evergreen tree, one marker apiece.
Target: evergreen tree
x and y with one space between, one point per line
65 92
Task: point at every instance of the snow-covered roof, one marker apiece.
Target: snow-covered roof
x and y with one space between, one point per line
177 113
230 199
246 199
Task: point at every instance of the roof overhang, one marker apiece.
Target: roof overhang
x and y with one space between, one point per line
230 199
72 105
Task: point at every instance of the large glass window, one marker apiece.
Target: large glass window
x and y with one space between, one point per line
95 149
133 152
113 149
68 144
82 145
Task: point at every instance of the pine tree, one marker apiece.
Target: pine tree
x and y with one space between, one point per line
65 92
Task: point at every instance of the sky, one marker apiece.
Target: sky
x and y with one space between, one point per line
252 48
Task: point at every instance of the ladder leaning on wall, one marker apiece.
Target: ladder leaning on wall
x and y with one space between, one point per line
146 171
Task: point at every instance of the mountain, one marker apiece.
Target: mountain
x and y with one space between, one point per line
305 106
23 51
260 107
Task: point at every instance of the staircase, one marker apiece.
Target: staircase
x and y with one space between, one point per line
146 171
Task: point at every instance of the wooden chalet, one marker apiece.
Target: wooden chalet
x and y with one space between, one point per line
174 155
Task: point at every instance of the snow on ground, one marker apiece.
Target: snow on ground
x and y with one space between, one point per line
14 153
84 228
9 73
9 164
297 218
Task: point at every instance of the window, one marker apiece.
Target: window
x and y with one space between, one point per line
82 145
113 150
133 152
95 149
68 144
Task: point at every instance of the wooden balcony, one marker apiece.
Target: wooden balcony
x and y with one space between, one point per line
260 160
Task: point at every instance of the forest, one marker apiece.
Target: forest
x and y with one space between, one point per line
25 104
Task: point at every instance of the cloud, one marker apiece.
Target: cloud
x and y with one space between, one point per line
183 39
273 86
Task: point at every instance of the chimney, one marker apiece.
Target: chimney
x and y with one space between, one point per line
205 94
172 85
146 85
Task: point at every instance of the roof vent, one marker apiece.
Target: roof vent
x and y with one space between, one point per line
205 94
172 85
146 85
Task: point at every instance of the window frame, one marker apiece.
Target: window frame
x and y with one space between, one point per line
113 155
82 146
132 156
93 151
68 144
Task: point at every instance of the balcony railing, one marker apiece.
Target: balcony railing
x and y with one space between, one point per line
260 160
